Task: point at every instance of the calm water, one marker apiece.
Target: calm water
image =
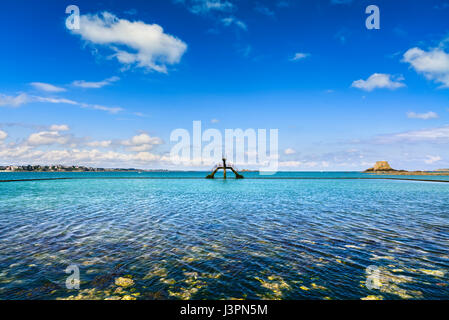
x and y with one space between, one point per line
198 239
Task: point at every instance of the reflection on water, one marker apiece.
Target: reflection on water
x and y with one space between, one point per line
249 239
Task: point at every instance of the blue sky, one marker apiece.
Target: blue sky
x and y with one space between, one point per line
110 93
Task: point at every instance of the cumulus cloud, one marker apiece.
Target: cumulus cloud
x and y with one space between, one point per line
3 135
141 142
132 42
94 157
47 87
379 81
215 121
77 156
142 138
433 64
423 116
53 146
101 144
95 85
59 127
299 56
289 151
16 152
47 138
141 148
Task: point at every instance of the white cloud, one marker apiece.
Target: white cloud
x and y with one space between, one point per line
26 154
47 87
379 80
102 144
207 6
3 135
133 42
95 85
433 64
59 127
52 147
435 135
10 101
141 148
423 116
219 10
215 121
15 152
142 139
299 56
233 20
141 142
52 100
95 156
289 151
432 159
47 138
112 110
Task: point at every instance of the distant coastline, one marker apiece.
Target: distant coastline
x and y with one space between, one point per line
380 168
61 168
384 168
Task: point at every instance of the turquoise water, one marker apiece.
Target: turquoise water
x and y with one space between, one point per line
216 239
201 175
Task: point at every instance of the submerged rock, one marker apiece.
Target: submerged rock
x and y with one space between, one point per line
436 273
372 298
124 282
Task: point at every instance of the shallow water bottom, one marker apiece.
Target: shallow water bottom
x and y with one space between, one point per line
248 239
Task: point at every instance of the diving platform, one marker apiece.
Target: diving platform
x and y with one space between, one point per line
224 167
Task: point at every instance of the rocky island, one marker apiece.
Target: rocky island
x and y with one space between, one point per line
383 167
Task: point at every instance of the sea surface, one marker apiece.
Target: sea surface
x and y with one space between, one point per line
177 235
